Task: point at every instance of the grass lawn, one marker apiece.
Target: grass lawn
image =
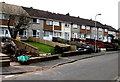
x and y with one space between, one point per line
41 47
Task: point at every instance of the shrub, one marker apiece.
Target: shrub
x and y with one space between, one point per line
52 51
59 49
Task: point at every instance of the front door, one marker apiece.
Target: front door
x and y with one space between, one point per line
34 33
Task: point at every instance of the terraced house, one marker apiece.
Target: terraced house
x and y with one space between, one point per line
46 25
5 11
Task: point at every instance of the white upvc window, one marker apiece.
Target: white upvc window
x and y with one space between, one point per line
95 28
4 16
46 33
113 33
66 35
105 37
75 25
57 34
67 25
88 27
49 22
3 31
75 35
6 31
83 27
100 37
1 16
38 20
24 33
55 23
100 29
87 36
106 30
37 33
82 36
110 32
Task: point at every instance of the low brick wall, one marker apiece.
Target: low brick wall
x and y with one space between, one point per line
51 43
73 53
25 46
41 59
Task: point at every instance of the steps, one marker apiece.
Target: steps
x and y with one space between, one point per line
4 60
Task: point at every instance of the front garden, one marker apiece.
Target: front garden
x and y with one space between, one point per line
42 47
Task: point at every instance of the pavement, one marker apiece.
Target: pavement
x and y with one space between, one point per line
16 68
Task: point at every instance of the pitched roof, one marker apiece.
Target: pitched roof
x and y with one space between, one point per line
61 17
110 28
12 9
75 20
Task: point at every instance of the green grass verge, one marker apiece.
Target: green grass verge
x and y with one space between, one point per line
41 47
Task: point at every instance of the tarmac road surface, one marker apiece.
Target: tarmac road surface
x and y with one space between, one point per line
103 67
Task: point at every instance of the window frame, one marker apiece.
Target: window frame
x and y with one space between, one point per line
48 22
106 30
88 36
67 25
87 27
46 33
56 23
38 21
83 28
75 26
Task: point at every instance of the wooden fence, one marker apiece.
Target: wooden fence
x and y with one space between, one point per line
51 43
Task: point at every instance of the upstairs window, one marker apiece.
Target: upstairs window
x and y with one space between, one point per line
100 29
110 32
113 33
83 27
106 30
49 23
4 16
94 28
88 27
34 20
75 26
38 20
67 25
56 23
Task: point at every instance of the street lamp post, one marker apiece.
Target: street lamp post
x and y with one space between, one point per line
96 31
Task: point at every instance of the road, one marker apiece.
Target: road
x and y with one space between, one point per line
103 67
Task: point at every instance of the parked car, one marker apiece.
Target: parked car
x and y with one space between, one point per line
86 49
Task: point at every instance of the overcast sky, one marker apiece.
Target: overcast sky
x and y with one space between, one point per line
83 8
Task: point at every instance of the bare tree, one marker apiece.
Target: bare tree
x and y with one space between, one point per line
18 22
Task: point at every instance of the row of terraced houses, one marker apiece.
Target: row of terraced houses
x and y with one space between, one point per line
46 25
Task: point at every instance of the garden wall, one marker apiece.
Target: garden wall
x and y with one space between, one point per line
24 46
51 43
